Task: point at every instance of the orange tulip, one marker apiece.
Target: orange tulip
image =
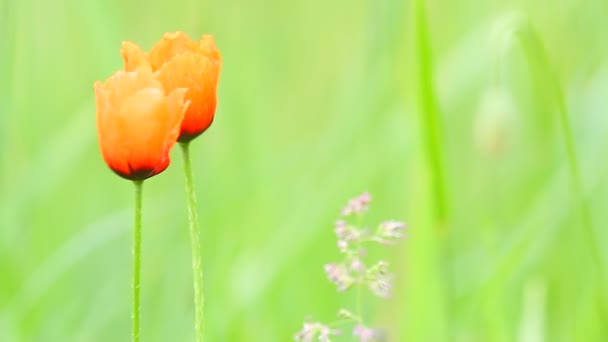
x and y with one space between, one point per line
180 62
137 123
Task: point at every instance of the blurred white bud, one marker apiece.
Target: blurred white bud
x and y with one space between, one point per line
493 125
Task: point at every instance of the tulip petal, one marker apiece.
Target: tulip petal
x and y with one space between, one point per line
209 49
200 75
134 57
170 45
123 84
137 123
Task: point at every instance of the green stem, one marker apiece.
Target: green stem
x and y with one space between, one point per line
197 271
433 143
359 306
137 260
431 120
358 303
538 59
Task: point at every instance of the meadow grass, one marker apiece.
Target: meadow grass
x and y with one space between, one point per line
487 119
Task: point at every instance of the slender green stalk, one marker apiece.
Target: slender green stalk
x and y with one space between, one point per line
358 299
433 143
538 59
137 260
430 117
197 270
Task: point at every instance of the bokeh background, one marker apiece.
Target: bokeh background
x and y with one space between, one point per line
483 128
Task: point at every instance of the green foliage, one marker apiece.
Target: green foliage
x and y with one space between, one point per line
318 101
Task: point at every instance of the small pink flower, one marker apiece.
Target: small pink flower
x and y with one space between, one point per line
379 280
310 330
357 265
325 333
346 233
341 229
364 334
342 245
307 333
382 286
392 229
357 205
339 275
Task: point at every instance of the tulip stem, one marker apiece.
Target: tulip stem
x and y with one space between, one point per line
197 271
137 259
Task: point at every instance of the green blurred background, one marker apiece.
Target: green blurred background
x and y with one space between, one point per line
453 127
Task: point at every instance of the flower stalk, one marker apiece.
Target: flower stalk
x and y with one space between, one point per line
137 259
197 270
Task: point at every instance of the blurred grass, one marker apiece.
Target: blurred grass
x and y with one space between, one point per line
318 102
